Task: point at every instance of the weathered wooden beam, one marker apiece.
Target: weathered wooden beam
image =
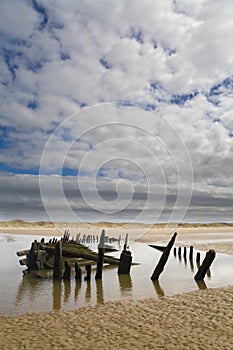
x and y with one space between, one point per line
209 258
23 261
23 252
162 261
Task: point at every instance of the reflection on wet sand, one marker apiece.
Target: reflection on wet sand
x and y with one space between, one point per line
29 286
158 289
56 294
67 290
125 283
78 286
88 291
99 292
191 265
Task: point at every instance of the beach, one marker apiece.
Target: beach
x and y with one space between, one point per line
197 320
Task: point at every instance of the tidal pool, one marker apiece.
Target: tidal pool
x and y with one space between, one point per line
21 294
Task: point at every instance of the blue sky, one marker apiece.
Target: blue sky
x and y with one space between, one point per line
107 116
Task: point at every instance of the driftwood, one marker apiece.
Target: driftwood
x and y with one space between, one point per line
160 266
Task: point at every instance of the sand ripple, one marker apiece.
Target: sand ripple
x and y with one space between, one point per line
199 320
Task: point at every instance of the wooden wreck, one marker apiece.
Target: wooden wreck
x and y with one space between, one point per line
42 255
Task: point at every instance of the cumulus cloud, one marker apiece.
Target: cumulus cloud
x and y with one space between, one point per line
168 65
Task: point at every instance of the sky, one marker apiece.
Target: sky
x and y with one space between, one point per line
116 110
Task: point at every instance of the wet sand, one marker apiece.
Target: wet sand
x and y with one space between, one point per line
199 320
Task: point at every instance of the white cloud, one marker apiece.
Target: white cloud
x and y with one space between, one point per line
175 56
17 19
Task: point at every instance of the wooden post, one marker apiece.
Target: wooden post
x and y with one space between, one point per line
32 257
179 251
209 258
77 239
57 264
78 271
126 241
175 251
100 256
191 253
125 259
125 262
185 252
198 258
160 266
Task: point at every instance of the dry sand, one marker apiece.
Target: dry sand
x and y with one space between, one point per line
198 320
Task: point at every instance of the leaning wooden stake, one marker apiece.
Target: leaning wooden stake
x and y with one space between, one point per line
100 256
209 258
57 265
160 266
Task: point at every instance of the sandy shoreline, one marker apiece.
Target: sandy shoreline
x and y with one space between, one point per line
217 237
198 320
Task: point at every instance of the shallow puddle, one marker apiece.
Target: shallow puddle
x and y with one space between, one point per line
21 294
